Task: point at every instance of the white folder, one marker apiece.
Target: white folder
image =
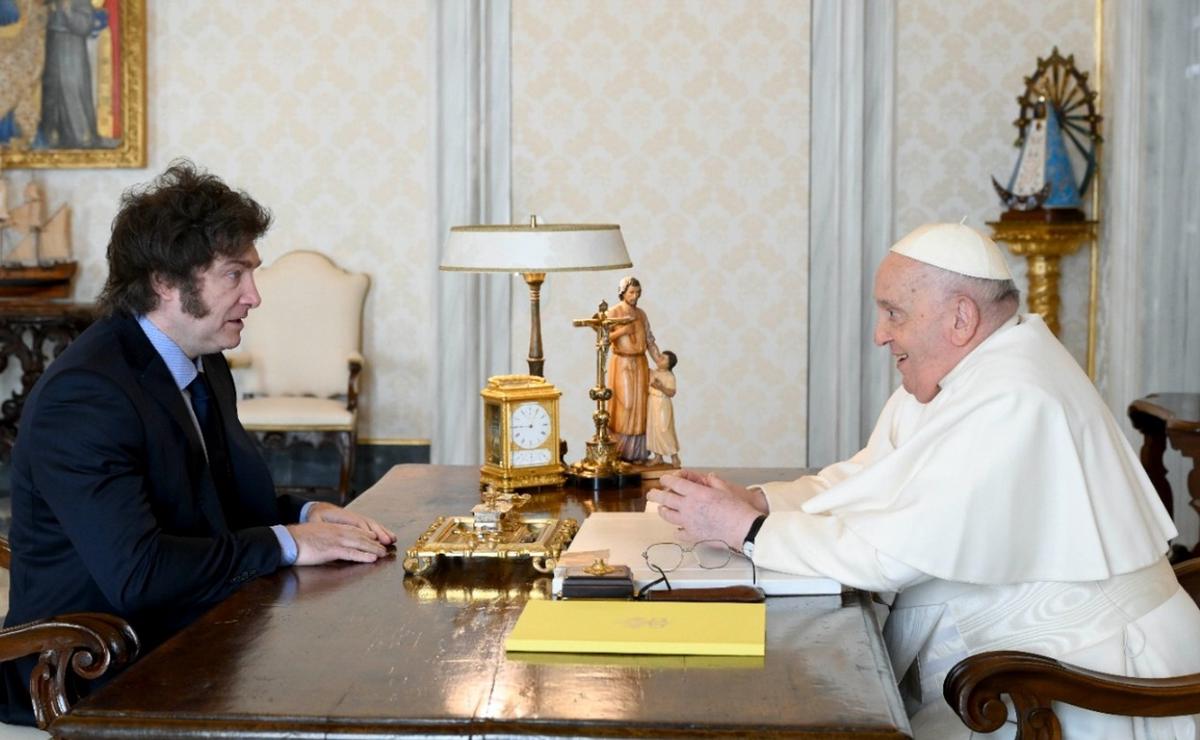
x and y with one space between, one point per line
626 535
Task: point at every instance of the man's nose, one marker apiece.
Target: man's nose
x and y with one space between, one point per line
252 295
881 337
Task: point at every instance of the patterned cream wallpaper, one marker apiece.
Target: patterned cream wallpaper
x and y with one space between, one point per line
687 124
318 110
684 121
960 67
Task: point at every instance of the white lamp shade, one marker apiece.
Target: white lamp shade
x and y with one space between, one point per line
541 248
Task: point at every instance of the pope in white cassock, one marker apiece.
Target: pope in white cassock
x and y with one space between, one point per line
997 497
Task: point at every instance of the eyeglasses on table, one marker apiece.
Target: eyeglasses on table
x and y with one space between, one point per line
665 557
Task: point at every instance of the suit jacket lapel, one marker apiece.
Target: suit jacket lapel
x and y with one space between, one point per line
157 382
252 484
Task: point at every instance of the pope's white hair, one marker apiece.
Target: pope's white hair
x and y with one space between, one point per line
994 297
988 291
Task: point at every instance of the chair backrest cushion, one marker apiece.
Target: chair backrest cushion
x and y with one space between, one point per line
310 321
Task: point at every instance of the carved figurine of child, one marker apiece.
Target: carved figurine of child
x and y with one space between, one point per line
660 413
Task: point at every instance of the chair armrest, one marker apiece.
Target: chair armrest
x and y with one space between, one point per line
356 362
239 360
87 643
973 689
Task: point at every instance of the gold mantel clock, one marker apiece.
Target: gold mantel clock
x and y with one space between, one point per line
520 433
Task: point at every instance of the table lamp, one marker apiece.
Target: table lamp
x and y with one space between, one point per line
534 249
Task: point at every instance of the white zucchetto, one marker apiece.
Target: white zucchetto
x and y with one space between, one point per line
957 248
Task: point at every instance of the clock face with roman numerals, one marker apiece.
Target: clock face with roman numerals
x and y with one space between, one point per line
530 425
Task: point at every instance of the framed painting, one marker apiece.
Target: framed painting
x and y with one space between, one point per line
72 83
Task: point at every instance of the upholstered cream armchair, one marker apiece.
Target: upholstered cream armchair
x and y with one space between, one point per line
299 362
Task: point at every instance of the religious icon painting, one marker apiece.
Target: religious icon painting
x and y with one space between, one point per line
72 83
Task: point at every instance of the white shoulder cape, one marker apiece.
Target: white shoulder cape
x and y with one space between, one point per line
1015 472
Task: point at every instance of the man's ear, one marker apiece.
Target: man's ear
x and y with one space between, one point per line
966 320
163 289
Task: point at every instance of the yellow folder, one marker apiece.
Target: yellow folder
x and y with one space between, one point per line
640 627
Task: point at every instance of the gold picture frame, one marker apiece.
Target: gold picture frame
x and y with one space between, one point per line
119 88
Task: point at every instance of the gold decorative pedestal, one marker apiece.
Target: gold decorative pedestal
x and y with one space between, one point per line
1043 245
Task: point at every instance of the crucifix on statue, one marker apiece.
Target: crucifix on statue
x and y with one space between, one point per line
602 466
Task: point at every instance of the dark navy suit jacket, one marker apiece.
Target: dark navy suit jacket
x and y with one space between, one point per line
114 508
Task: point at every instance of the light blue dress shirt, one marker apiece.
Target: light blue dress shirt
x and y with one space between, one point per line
184 370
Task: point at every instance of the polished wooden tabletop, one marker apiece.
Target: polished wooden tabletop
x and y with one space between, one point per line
363 650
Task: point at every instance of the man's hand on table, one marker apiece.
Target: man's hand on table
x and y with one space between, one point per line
324 512
705 507
333 533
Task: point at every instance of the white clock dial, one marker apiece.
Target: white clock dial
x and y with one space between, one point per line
530 425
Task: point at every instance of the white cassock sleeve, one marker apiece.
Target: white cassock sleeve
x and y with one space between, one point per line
791 495
793 541
819 545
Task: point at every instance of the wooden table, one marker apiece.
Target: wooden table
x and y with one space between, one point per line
1173 417
362 650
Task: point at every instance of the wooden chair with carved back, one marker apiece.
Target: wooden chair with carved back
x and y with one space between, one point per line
974 687
88 644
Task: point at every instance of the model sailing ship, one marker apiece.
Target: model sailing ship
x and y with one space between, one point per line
35 252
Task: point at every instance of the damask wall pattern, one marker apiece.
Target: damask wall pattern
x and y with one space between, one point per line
687 124
960 67
684 121
319 111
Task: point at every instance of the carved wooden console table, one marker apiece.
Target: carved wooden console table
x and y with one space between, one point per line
32 333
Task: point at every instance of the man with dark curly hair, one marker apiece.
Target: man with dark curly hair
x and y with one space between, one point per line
135 489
